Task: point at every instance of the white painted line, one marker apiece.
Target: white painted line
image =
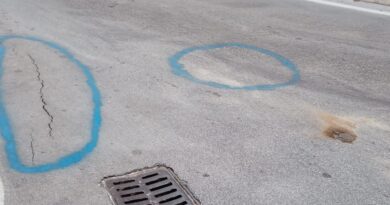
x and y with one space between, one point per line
346 6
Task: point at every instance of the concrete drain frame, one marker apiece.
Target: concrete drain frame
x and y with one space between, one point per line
149 186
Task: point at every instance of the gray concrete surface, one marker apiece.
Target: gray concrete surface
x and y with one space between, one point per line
231 146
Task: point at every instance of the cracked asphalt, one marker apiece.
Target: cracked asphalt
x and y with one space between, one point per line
324 139
44 104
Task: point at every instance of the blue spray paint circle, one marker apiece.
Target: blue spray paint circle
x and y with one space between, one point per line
179 70
6 128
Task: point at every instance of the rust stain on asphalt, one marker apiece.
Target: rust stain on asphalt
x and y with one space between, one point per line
338 128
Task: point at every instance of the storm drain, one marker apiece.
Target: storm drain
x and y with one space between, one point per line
149 186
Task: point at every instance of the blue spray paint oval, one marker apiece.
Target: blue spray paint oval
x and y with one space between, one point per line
179 70
6 128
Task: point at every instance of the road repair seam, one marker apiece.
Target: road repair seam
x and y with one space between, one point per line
346 6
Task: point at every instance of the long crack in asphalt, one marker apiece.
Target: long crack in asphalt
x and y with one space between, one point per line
44 104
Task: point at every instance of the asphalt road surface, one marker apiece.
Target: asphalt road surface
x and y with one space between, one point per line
249 101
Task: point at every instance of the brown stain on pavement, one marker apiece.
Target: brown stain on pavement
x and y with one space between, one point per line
338 128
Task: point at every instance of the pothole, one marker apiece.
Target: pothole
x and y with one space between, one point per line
340 133
338 128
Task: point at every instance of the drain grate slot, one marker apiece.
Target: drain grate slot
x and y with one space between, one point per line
161 187
135 201
170 199
149 176
123 182
165 193
156 181
128 188
149 186
131 194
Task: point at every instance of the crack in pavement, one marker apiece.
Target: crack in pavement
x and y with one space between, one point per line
32 150
42 96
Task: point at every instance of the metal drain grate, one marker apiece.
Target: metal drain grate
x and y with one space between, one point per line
149 186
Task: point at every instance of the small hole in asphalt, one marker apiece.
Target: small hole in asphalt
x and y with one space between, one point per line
326 175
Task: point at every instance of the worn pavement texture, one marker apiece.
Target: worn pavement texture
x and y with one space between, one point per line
324 138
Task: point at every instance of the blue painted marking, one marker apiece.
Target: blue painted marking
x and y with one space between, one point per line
6 128
179 70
